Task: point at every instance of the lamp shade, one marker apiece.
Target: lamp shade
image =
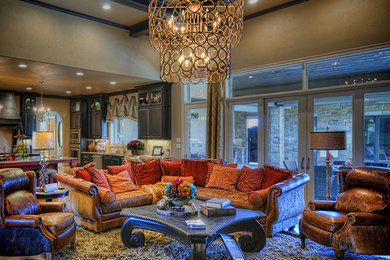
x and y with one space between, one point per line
43 140
327 140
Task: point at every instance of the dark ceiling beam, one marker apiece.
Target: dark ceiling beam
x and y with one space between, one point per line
142 27
85 16
141 5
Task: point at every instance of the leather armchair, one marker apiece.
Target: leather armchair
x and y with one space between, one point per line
27 227
359 220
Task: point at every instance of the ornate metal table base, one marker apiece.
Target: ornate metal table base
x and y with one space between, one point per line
197 240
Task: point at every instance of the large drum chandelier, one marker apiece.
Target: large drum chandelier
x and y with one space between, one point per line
195 38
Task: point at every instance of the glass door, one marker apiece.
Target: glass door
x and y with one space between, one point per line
334 113
285 141
196 132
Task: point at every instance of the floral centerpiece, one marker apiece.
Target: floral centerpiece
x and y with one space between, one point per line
135 146
179 192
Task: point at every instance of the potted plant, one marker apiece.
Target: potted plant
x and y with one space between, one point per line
135 146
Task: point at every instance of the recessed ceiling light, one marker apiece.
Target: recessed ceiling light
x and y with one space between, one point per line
251 77
68 92
79 73
252 2
22 65
106 6
112 82
88 87
28 88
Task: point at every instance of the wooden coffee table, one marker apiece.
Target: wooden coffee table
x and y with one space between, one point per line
145 217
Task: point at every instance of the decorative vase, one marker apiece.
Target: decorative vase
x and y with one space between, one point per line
91 146
134 152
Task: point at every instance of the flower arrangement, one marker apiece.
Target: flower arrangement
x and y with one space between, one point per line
180 189
135 145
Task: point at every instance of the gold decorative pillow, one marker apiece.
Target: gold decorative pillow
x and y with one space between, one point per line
224 178
167 178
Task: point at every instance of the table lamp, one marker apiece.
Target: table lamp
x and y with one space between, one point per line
327 140
43 141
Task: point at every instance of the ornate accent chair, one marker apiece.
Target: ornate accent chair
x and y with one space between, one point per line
359 220
29 227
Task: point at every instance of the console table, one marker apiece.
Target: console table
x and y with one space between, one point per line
30 164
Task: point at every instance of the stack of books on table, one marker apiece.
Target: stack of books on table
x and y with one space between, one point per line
218 207
195 224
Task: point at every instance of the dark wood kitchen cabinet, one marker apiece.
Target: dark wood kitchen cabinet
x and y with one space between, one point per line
154 111
111 160
97 126
27 103
79 115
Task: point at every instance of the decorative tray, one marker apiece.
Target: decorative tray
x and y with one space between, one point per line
186 210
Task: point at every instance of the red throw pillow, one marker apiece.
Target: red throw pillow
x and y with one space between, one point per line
171 168
274 175
113 170
250 179
84 174
147 173
210 168
195 168
99 178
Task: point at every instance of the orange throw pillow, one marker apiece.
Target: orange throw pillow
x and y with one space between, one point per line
113 170
121 182
274 175
171 168
147 173
224 178
99 178
250 179
210 168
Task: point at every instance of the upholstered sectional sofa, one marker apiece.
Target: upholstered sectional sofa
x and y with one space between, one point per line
98 208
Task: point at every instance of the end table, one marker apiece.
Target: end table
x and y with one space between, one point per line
49 196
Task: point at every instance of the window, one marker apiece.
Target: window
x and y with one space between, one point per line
196 133
196 93
245 128
364 67
268 81
123 130
377 129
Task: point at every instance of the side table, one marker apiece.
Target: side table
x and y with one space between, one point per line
49 196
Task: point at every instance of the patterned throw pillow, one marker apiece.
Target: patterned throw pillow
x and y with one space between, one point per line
224 178
121 182
147 173
171 168
73 171
21 202
250 179
274 175
113 170
84 174
100 179
210 168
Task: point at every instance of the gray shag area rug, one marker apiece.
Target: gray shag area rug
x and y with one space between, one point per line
108 245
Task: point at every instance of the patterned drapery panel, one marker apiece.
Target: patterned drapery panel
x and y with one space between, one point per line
214 126
123 108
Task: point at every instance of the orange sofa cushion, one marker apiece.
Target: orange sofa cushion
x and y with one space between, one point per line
274 175
210 168
120 168
250 179
100 179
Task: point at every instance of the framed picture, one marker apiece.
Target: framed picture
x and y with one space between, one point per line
157 150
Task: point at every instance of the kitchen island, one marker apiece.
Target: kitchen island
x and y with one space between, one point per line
32 164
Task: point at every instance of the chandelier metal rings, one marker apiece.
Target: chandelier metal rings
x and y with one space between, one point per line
195 38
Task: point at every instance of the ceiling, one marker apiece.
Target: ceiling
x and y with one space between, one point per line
59 79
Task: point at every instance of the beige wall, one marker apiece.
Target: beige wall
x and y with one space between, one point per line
35 33
312 28
177 115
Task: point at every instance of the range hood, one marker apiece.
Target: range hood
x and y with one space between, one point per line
8 112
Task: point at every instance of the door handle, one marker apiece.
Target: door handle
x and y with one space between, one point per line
308 163
302 167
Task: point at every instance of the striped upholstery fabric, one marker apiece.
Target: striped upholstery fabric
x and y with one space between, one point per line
250 179
100 179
